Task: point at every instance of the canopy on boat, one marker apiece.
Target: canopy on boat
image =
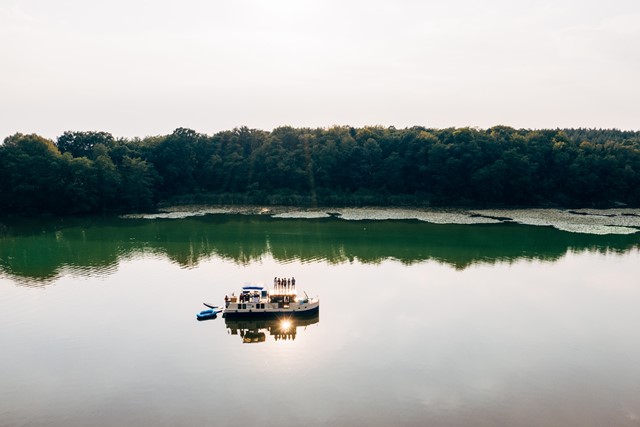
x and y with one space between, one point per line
252 288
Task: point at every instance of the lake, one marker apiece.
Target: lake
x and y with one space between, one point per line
479 320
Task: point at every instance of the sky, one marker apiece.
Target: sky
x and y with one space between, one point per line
146 67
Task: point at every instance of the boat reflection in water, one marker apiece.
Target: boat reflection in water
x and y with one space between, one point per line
257 330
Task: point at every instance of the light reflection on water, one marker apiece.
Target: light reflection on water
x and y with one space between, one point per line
281 329
536 339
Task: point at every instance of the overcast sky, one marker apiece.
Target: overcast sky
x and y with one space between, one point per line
146 67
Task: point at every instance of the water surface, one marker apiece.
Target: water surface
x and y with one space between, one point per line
420 324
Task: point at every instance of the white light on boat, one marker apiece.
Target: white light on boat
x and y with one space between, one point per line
285 325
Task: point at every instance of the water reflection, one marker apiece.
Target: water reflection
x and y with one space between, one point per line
509 344
38 252
281 329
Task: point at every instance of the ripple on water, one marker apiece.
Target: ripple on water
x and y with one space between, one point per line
178 214
590 221
435 216
302 214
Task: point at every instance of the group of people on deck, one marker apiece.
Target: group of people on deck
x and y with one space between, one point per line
284 284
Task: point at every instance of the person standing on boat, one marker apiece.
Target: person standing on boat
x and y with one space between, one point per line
293 283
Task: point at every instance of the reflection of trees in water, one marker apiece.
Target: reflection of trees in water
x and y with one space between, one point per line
39 252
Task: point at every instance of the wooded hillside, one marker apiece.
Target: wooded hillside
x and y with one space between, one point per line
85 172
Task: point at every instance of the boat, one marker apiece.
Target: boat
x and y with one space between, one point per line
256 301
210 313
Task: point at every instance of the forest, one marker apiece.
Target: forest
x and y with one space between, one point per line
92 172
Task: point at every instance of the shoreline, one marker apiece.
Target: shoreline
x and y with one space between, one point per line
575 220
591 221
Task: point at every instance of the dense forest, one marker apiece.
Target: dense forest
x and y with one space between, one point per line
87 172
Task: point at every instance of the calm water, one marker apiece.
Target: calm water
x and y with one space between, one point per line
420 324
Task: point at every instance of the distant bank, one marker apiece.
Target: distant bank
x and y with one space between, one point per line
93 172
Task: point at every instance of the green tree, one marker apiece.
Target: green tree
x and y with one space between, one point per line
138 182
30 175
79 185
80 144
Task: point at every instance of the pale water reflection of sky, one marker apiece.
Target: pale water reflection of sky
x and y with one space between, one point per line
521 343
140 67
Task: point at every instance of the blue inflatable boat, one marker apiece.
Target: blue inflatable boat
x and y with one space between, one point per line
211 313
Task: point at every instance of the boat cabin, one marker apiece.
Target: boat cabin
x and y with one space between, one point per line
255 300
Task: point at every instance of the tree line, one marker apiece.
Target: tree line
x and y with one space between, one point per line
89 172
